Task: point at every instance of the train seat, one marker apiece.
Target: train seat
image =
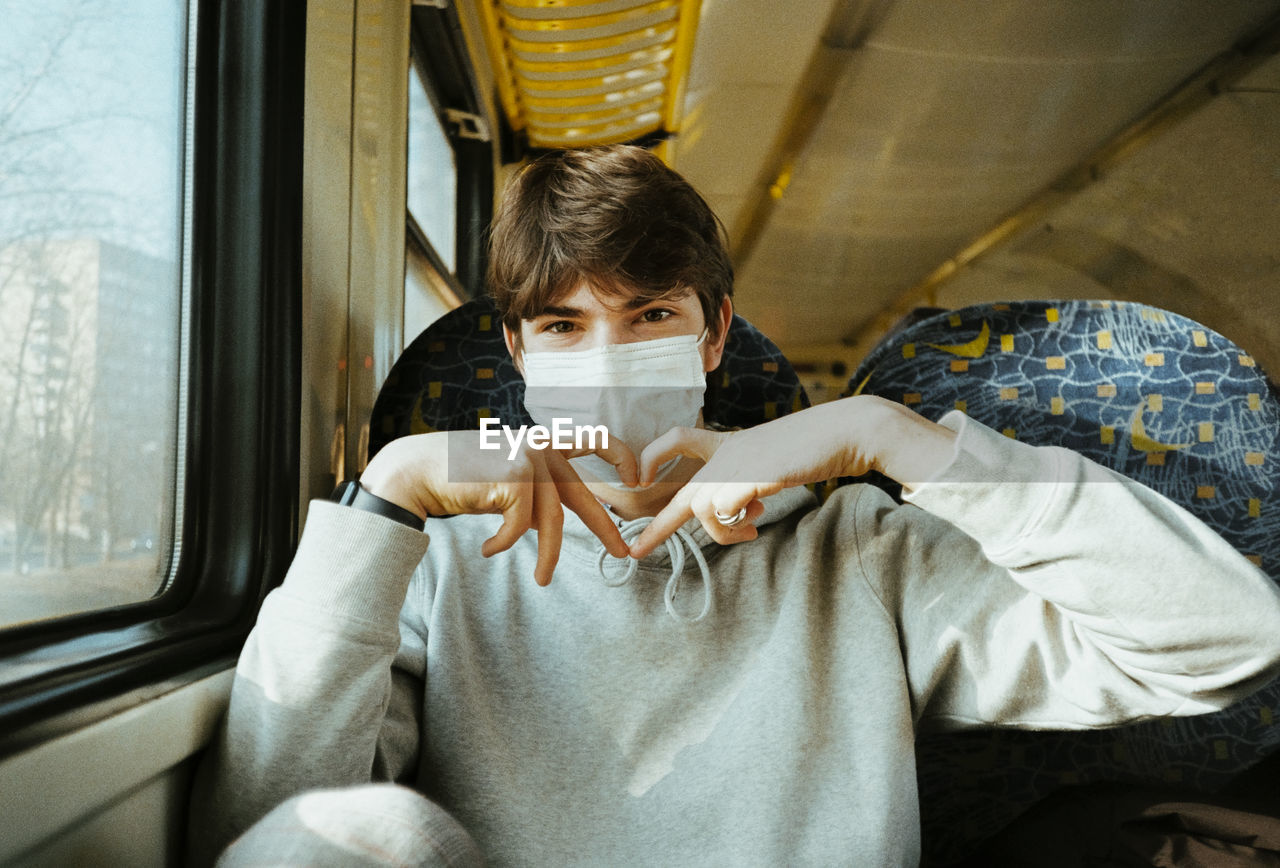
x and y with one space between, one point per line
1152 395
458 371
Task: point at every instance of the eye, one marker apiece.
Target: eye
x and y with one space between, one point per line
655 314
557 327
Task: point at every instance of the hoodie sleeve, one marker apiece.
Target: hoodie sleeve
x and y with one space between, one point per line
1043 590
327 691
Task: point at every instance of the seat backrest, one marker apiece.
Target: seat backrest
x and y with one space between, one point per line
458 372
1157 397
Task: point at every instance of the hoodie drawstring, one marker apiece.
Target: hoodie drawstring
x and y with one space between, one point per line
676 546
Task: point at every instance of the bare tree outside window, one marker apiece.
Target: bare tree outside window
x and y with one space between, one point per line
91 145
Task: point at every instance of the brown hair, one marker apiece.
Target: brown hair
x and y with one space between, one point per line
615 218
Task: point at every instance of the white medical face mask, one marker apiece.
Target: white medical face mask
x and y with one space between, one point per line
638 391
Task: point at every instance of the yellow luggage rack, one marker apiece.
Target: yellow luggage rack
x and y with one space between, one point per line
573 73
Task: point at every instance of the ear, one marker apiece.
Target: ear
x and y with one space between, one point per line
713 351
509 338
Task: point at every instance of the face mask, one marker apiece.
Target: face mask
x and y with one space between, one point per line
638 391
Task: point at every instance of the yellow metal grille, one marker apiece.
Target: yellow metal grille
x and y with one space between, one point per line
573 73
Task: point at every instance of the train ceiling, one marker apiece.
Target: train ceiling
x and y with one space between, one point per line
856 148
870 155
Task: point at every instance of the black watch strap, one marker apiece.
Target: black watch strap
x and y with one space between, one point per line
351 494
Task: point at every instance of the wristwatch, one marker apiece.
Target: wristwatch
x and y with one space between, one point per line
350 493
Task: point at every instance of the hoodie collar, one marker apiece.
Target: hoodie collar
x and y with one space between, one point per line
580 541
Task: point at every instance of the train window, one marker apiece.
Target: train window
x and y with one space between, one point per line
150 297
449 173
91 175
427 295
432 203
433 173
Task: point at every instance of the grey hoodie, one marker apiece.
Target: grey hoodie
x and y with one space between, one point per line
583 723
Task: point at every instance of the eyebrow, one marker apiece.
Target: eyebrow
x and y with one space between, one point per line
557 310
571 312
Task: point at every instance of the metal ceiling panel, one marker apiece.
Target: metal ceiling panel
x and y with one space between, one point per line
946 118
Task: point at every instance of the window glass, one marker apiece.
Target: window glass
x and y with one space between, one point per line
427 295
433 174
91 177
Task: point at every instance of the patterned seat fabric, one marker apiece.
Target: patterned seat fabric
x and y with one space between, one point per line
458 372
1157 397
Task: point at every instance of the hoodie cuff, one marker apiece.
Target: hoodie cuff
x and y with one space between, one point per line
995 489
353 561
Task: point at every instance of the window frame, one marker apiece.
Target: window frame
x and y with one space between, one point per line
416 239
438 56
239 511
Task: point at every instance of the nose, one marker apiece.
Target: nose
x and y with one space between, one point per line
606 332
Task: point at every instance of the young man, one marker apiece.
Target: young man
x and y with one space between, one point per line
747 689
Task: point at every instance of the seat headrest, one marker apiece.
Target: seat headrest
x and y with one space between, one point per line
458 371
1148 392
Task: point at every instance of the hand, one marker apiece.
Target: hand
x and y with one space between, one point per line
843 438
446 473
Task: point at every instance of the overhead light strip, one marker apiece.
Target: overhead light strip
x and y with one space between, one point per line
587 72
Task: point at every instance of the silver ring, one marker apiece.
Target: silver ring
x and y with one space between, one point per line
731 520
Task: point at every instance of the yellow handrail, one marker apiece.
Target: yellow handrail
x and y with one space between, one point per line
688 30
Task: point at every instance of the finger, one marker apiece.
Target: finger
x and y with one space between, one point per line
617 453
548 521
516 519
573 492
708 513
729 498
666 522
755 509
691 442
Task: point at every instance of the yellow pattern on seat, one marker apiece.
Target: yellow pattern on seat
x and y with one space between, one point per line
1138 435
970 349
416 425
